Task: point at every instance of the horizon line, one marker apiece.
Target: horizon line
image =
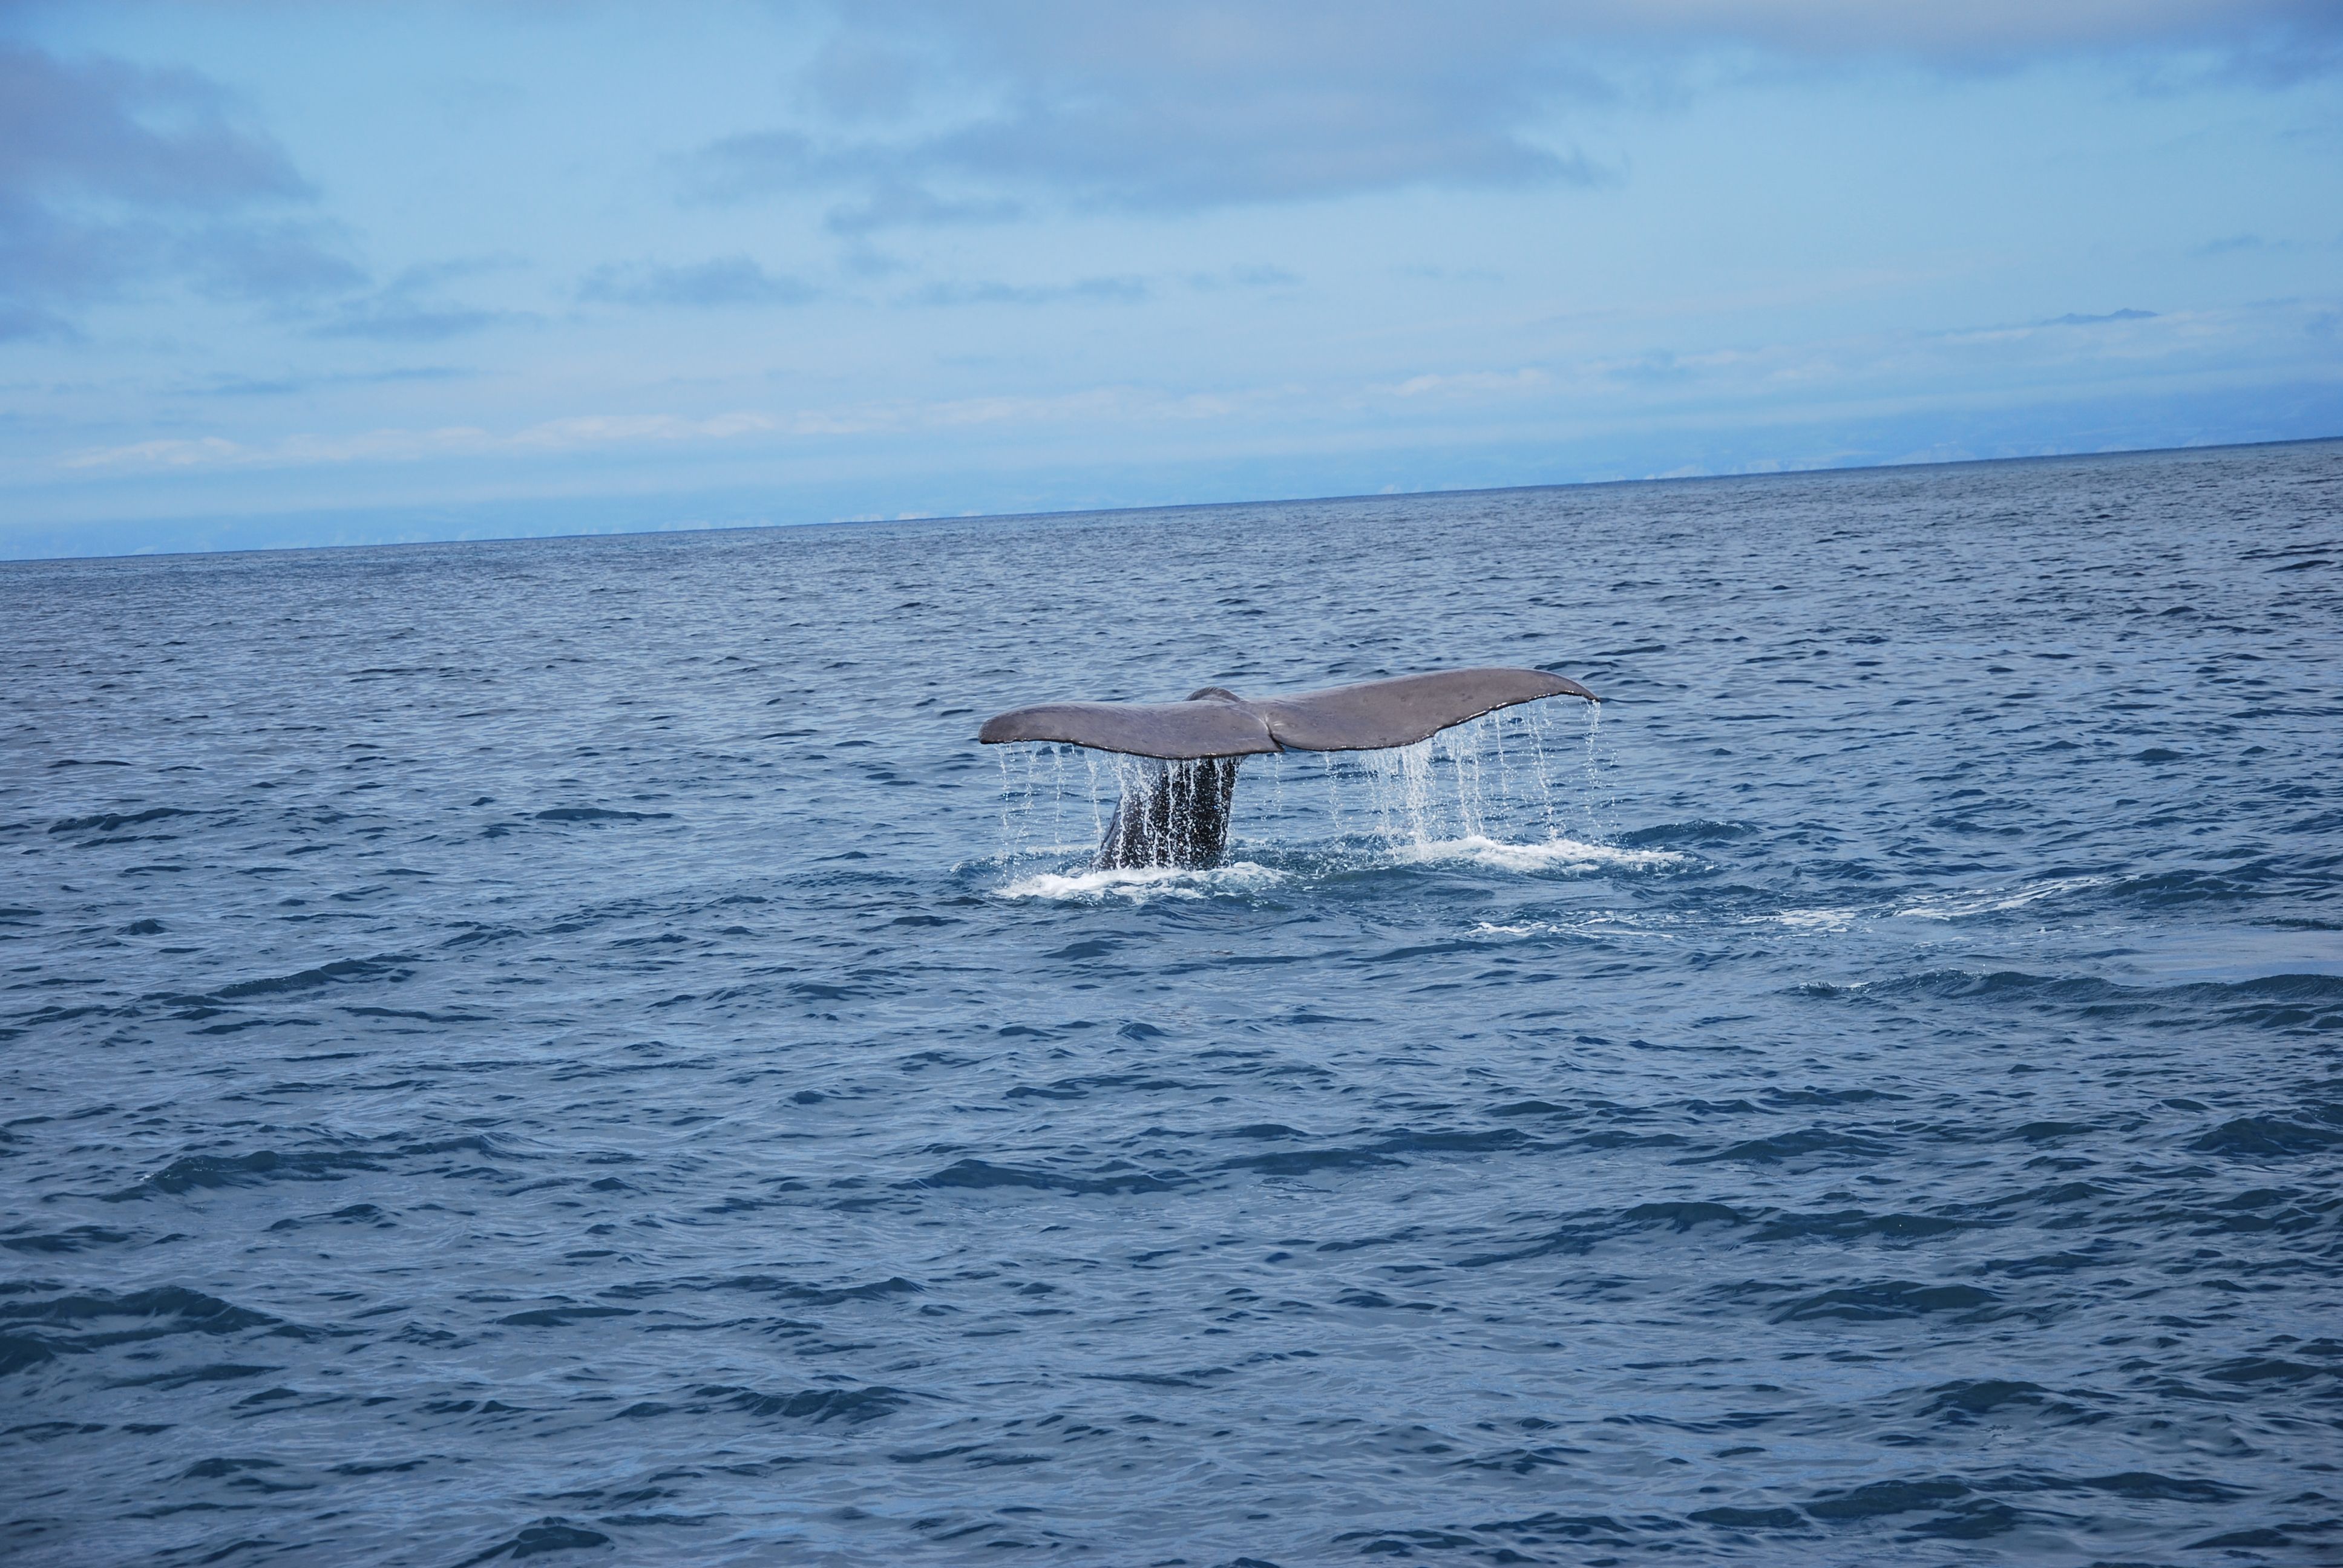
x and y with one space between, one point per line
856 522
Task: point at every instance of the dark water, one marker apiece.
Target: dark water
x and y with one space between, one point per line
569 1048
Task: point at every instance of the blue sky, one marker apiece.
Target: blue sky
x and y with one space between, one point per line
278 274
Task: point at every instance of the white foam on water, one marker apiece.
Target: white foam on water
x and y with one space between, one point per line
1064 850
1139 884
1993 901
1479 849
1240 878
1806 920
1603 924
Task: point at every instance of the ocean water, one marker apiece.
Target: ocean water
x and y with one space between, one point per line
569 1049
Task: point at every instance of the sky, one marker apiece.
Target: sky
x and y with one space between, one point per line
276 274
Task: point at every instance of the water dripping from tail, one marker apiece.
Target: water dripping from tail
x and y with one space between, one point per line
1595 800
1170 814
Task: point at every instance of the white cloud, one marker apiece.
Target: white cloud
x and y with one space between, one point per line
399 446
1473 383
592 432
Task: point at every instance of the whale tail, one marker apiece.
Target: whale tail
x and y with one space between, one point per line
1181 816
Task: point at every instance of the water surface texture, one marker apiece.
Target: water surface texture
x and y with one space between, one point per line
569 1049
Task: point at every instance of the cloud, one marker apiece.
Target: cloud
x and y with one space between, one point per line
588 433
270 263
158 138
933 112
2232 244
116 179
1124 289
292 386
394 321
1657 368
393 446
1977 33
728 281
411 308
888 180
1474 383
2127 314
29 323
894 203
1172 109
1085 291
113 177
1257 277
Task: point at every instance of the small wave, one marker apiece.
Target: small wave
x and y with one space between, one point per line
551 1533
34 1333
340 972
114 822
1139 884
981 1173
24 1239
1698 830
194 1172
1889 1300
1479 849
852 1405
563 1316
2267 1137
1993 901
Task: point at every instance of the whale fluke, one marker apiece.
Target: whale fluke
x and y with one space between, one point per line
1215 722
1404 709
1180 815
1178 730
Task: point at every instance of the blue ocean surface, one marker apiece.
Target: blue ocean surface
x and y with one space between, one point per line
570 1049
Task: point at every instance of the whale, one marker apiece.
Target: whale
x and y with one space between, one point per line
1179 816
